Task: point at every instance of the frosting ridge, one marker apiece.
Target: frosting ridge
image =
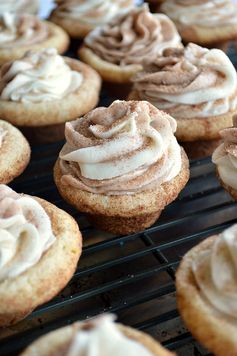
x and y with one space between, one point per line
215 272
129 38
25 232
38 76
190 82
123 149
205 13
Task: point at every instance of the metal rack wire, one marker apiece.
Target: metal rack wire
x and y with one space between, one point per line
132 276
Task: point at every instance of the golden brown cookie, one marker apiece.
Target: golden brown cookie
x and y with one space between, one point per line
40 283
14 152
212 328
124 214
44 121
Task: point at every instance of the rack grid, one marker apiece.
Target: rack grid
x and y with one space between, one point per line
131 276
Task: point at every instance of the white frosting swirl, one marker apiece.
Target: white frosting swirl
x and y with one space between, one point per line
125 148
101 337
225 156
190 82
204 13
24 6
215 271
40 76
93 12
25 233
21 30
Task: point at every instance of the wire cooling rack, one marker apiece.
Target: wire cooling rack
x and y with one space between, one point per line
132 276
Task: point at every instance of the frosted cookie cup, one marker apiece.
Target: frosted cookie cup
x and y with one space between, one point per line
99 333
225 159
206 292
14 152
117 50
198 87
78 18
43 90
121 165
40 246
20 33
211 23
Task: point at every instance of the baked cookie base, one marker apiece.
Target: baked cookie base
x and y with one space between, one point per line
123 214
58 341
40 283
14 153
109 72
207 36
55 112
208 326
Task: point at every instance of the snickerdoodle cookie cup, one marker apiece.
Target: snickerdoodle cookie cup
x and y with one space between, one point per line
117 339
208 23
44 245
23 32
14 152
121 165
78 18
117 54
59 90
206 292
198 87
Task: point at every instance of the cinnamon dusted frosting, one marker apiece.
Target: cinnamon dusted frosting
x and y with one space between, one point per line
215 272
190 82
123 149
204 13
25 233
101 337
225 156
21 30
130 38
23 6
38 76
92 12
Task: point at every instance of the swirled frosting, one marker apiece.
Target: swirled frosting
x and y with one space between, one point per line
190 82
38 76
101 337
92 12
25 233
204 13
23 6
123 149
225 155
215 272
130 38
21 30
